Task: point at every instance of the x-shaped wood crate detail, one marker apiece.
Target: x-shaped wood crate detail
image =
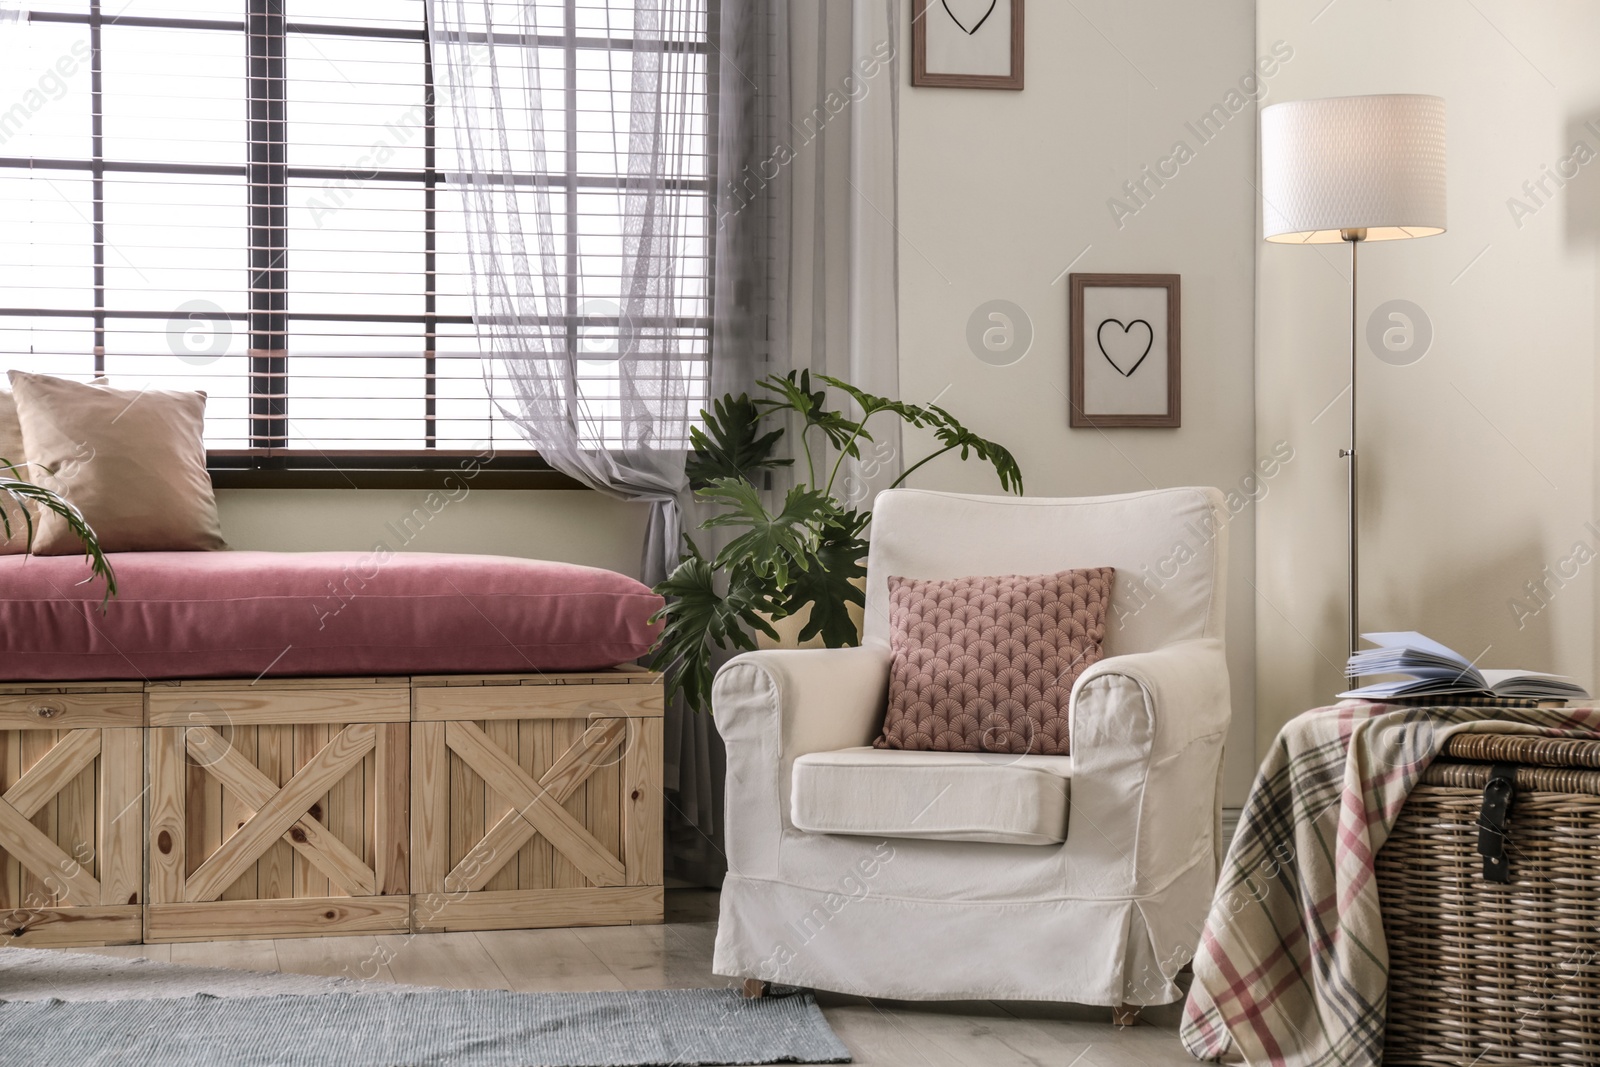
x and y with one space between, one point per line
281 813
116 819
26 842
535 805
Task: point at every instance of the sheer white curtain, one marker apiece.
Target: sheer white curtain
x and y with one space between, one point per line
801 239
572 169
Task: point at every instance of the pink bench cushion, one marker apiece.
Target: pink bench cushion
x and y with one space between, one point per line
249 614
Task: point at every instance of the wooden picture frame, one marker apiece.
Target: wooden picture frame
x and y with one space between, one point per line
1106 390
969 18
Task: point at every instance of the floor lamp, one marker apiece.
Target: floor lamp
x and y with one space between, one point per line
1352 169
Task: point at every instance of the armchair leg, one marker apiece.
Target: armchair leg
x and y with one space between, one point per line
1126 1015
754 989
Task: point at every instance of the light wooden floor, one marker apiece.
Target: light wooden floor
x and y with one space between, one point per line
678 955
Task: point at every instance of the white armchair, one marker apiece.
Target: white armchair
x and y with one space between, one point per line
951 876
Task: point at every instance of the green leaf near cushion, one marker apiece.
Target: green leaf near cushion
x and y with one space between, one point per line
827 583
697 618
771 544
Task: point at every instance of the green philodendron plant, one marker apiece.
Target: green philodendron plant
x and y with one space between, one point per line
810 552
20 492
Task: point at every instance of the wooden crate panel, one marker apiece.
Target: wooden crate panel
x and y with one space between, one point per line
60 927
643 825
569 798
538 908
69 710
266 816
231 772
201 685
625 673
226 920
572 701
551 794
276 704
71 830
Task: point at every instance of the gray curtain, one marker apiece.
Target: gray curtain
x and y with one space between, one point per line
806 267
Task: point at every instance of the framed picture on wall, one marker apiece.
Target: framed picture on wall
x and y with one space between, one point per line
1124 348
966 44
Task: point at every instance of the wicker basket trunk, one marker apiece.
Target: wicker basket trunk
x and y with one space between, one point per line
1482 973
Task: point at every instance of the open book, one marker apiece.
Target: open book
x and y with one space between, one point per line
1431 669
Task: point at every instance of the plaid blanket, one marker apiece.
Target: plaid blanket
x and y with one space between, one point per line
1292 967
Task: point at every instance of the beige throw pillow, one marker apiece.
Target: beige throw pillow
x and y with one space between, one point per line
11 452
133 462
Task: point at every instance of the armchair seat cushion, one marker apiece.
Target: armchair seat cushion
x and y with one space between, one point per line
939 796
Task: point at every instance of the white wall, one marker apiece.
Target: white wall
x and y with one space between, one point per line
1001 191
1478 461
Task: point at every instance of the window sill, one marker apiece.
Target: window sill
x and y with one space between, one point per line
444 470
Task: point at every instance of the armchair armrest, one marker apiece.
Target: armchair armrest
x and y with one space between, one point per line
1147 732
770 708
1187 675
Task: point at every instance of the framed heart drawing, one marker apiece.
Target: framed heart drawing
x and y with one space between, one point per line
966 44
1125 342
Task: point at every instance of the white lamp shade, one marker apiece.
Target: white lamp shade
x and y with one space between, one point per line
1353 162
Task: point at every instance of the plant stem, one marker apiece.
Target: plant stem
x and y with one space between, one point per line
811 467
845 451
919 463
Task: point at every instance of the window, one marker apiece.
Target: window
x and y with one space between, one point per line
244 196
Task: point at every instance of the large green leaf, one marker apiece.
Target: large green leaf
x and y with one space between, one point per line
795 394
772 545
731 444
953 435
826 583
872 403
22 491
699 620
946 427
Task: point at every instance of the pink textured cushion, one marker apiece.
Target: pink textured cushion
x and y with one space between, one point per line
244 614
987 664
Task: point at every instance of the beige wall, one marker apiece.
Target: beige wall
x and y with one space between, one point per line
1478 461
1001 191
576 525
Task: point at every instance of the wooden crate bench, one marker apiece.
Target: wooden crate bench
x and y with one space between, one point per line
536 801
229 809
71 813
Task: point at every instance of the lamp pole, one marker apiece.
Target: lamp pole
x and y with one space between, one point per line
1353 237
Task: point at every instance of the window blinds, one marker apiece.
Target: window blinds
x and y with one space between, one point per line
251 197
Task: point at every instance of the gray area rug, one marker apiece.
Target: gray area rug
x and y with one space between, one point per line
70 1009
53 974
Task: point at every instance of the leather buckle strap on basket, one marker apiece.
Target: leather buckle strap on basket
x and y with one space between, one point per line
1492 822
1495 963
